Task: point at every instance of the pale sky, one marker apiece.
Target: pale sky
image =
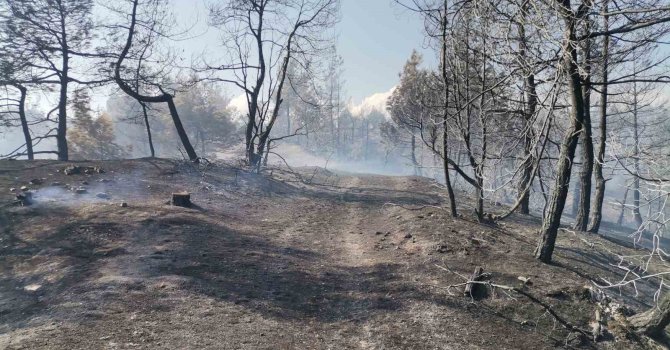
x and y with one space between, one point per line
375 39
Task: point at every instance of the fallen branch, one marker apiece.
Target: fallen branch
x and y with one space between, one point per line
548 308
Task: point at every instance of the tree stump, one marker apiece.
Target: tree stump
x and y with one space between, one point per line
475 290
25 198
181 199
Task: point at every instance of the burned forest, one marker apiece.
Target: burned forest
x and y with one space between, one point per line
334 174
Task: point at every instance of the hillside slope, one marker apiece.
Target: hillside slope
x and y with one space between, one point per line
274 261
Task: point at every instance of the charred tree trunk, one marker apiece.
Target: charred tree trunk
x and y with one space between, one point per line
552 219
582 217
479 192
163 98
576 191
415 163
61 133
636 153
530 92
24 121
445 115
148 127
445 164
597 209
180 128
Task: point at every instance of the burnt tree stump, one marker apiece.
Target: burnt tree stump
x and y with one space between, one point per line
25 198
476 290
181 199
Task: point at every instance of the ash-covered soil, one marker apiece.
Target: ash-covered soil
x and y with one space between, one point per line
276 261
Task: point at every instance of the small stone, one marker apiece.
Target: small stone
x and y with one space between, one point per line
419 216
409 235
32 287
12 189
123 205
102 195
85 183
36 181
379 233
80 190
24 188
442 248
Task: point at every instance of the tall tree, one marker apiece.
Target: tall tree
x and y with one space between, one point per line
264 37
52 33
141 27
599 198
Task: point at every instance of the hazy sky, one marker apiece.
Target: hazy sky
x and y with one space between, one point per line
375 39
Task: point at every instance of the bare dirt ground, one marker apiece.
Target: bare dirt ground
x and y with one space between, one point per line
334 261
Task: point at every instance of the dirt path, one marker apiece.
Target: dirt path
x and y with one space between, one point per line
348 262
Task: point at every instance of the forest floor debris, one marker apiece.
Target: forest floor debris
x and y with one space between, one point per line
273 263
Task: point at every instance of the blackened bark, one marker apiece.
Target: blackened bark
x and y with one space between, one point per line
445 116
148 127
636 152
415 163
180 128
61 133
584 204
24 121
597 208
552 219
582 217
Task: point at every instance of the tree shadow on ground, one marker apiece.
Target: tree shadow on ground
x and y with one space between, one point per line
279 281
597 266
41 269
210 260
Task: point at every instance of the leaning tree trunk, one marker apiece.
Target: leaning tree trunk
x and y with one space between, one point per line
163 98
597 209
552 219
190 151
24 121
652 323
